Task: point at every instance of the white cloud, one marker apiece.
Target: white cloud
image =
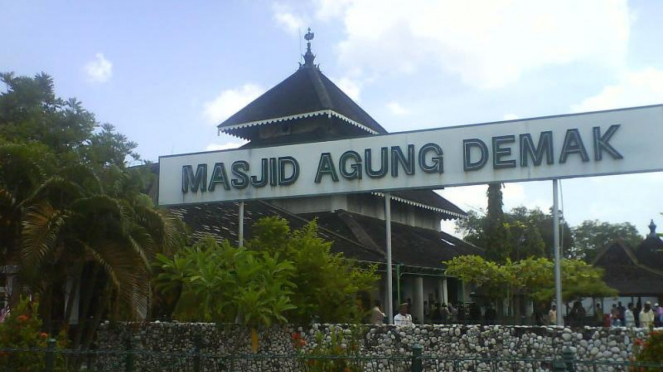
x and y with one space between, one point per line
635 88
350 87
286 18
511 117
230 101
224 146
487 43
99 70
396 109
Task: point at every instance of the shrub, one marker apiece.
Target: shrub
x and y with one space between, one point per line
650 351
22 330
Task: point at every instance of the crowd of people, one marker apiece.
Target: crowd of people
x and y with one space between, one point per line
618 316
437 313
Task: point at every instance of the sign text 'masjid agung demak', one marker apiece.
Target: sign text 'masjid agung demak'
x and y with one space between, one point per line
589 144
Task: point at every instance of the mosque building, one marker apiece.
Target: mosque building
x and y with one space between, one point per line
308 107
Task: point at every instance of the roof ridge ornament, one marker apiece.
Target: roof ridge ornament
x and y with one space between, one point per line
309 56
652 229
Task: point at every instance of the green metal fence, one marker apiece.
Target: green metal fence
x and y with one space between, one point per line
128 360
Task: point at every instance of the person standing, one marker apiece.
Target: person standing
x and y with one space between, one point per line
622 312
377 316
646 316
403 318
552 315
614 316
629 318
598 313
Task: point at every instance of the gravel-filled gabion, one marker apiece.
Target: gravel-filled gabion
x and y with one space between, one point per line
176 343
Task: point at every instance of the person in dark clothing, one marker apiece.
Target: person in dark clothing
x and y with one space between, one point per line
622 312
490 315
475 313
436 314
577 314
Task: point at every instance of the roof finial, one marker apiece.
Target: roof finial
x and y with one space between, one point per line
309 57
652 229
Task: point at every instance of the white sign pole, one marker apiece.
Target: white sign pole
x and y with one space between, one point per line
558 262
390 295
241 224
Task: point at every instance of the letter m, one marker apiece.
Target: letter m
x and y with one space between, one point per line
194 182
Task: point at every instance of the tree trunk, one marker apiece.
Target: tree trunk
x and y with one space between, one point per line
72 296
86 296
99 311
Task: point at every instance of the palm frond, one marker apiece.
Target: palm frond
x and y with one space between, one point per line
41 228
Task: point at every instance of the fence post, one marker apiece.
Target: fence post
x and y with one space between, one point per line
559 366
569 359
197 345
417 363
49 357
129 358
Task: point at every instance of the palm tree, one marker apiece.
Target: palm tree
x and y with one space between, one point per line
68 230
81 235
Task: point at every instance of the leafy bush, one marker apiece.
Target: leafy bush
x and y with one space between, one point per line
650 351
335 353
22 330
221 283
280 274
328 284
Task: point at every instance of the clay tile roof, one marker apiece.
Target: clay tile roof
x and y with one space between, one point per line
307 92
221 220
632 272
413 246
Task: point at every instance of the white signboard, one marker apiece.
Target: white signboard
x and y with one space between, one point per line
580 145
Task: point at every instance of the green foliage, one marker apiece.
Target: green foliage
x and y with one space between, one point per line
532 277
496 236
221 283
70 208
22 330
327 284
280 274
31 113
484 273
649 351
336 354
593 235
530 232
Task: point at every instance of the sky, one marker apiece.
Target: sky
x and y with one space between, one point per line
165 73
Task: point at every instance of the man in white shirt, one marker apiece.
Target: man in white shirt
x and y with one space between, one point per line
403 318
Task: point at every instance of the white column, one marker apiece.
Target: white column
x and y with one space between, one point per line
558 270
444 291
390 294
418 300
241 224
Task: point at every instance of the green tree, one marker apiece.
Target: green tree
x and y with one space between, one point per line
496 235
281 274
71 210
530 232
327 284
221 283
533 278
593 235
30 112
